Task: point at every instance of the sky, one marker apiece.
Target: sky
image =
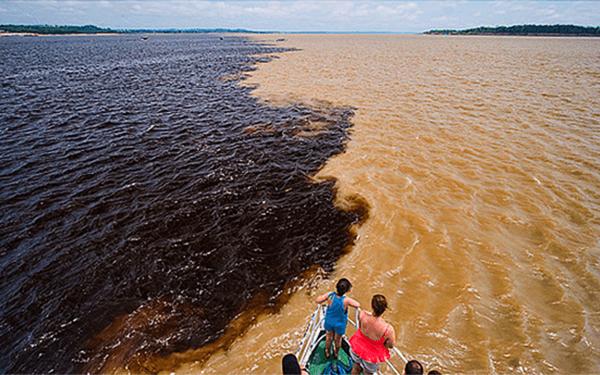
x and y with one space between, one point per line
298 15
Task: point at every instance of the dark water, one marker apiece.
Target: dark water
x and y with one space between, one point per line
135 173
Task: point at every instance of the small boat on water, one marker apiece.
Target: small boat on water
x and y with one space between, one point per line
311 352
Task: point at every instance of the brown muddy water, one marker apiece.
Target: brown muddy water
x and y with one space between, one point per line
480 160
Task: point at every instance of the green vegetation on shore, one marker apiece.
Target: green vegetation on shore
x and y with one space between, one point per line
55 29
91 29
550 30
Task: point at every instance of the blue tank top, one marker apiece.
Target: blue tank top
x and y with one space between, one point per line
336 314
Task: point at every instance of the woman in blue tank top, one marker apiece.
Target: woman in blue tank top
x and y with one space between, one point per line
336 315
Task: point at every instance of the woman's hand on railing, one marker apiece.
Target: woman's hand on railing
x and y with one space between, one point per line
352 302
388 344
322 298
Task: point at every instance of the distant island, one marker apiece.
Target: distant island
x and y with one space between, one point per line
536 30
92 29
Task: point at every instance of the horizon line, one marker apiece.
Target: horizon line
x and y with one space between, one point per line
258 31
224 29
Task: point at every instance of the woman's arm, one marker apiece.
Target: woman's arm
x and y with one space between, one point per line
351 302
361 316
390 340
322 298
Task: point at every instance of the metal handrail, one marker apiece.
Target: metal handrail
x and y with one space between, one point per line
307 343
308 329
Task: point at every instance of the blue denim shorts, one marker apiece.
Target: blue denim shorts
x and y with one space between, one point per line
339 329
369 367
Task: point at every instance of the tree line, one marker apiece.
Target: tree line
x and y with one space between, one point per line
572 30
92 29
55 29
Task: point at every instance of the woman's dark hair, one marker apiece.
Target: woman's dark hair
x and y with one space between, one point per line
434 372
343 286
379 304
290 365
413 367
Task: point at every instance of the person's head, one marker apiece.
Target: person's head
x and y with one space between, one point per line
378 304
413 367
343 286
434 372
290 365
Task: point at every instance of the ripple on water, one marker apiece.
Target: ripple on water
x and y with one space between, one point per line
139 212
499 139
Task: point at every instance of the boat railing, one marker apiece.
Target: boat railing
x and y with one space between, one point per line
314 327
308 339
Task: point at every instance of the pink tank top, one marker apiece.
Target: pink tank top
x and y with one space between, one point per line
369 350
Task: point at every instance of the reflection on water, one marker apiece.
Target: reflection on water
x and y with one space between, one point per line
480 159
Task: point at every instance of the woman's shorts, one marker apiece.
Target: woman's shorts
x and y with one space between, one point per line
369 367
339 329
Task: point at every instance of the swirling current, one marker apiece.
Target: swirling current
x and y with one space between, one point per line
138 174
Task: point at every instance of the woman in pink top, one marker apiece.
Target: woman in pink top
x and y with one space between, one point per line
371 343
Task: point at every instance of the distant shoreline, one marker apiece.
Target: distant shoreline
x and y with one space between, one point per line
507 34
308 33
37 30
522 35
524 30
120 34
515 30
74 34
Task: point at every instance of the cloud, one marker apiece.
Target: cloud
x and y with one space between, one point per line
298 15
